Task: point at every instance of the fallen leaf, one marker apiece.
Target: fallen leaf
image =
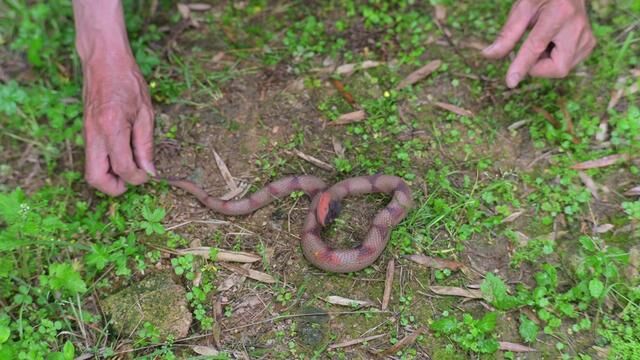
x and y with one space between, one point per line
589 183
406 341
339 300
441 12
633 191
199 6
456 291
355 341
224 171
204 350
349 118
568 120
513 216
601 229
338 148
633 267
184 11
419 74
517 125
313 160
509 346
343 92
223 255
454 109
435 263
545 114
250 273
350 68
602 162
388 285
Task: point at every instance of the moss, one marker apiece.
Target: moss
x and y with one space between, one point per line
157 299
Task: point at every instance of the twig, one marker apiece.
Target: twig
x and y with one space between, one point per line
355 341
388 285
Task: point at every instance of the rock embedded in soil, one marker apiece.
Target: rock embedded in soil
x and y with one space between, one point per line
156 299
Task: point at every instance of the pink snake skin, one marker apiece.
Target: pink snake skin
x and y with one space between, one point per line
325 204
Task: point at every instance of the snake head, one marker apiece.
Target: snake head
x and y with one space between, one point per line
327 209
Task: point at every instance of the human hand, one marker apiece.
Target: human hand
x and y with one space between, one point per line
118 125
559 39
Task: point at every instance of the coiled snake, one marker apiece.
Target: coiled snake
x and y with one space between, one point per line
325 206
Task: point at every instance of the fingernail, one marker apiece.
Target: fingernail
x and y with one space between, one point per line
513 80
488 49
150 169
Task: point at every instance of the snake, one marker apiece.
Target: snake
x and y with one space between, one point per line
325 207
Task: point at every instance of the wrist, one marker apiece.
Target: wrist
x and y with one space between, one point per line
100 31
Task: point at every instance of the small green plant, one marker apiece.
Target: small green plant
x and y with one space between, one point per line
471 334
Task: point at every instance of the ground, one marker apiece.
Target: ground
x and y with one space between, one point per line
524 197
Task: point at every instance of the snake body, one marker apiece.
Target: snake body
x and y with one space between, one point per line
325 205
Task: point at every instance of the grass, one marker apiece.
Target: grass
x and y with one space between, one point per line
551 282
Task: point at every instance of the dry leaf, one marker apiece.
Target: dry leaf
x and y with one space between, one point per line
218 57
355 341
435 263
545 114
223 255
315 161
601 229
339 300
199 6
456 291
406 341
345 94
441 12
589 183
349 118
602 162
338 148
454 109
250 273
240 191
350 68
633 192
204 350
419 74
509 346
224 171
517 125
388 285
184 11
513 216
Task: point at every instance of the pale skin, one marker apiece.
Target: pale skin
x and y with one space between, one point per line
118 116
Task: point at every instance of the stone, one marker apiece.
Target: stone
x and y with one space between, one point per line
157 299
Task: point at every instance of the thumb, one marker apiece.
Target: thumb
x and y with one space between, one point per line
142 140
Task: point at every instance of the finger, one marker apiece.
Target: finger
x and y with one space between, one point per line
121 156
142 141
537 42
97 167
561 59
519 18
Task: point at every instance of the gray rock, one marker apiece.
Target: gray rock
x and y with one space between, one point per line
156 299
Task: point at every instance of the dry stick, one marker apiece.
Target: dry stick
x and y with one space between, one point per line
388 285
355 341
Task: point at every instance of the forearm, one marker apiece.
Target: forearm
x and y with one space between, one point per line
100 30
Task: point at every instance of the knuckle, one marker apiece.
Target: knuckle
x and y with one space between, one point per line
537 46
122 168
